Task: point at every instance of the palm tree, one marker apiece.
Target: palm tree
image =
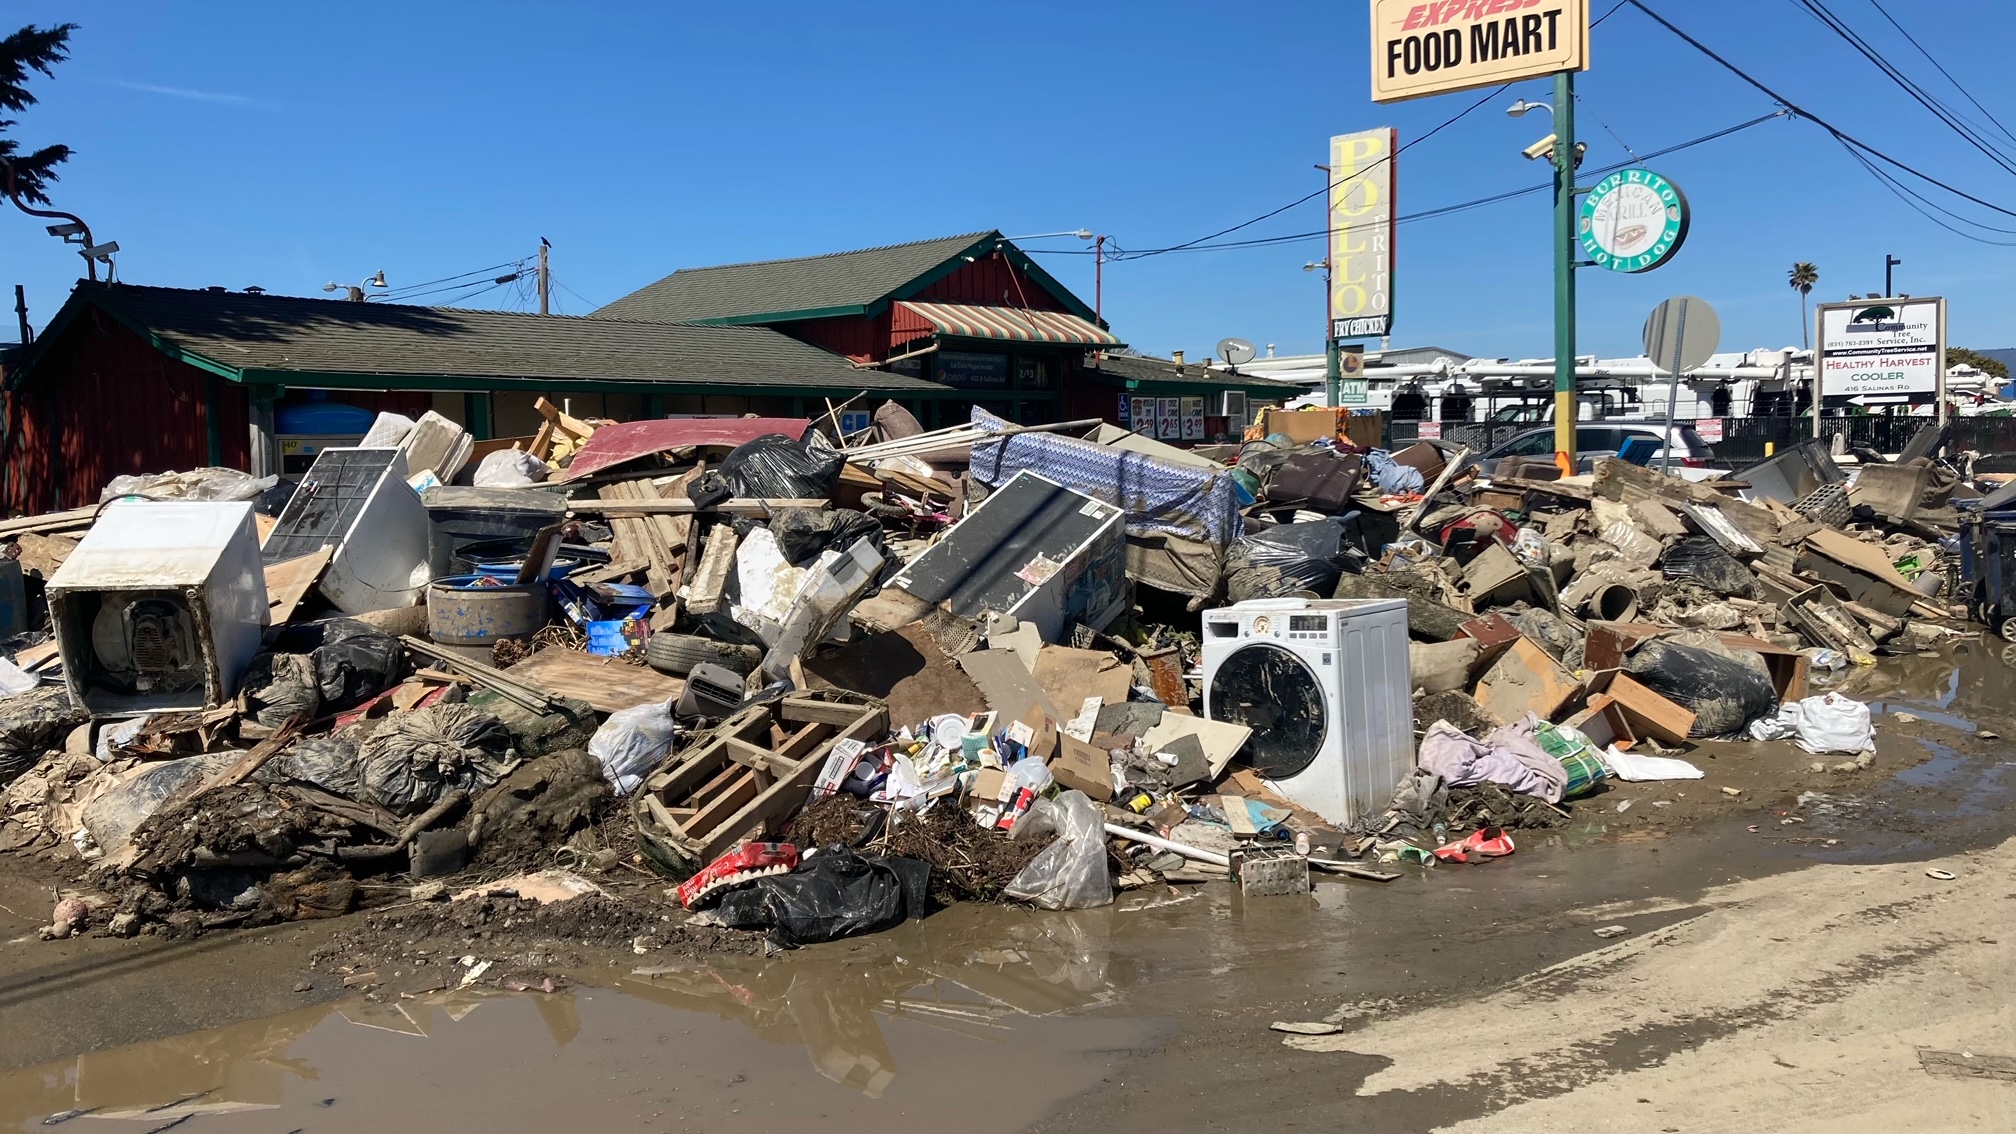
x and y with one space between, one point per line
1802 277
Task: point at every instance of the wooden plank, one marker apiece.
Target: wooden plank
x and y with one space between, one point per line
802 742
541 445
572 426
607 684
710 579
49 522
739 506
288 582
759 758
801 709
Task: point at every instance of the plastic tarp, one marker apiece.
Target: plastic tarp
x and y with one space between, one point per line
1309 556
837 892
510 468
196 484
30 725
1157 496
353 661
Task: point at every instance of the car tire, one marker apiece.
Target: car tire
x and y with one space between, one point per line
677 654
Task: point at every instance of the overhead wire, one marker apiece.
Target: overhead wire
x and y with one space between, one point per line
1929 58
405 288
1463 206
1826 17
1114 254
1839 134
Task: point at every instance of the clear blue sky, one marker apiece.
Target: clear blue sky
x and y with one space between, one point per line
287 145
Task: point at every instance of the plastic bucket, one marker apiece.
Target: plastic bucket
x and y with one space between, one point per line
460 613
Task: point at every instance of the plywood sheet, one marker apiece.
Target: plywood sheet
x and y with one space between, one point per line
607 684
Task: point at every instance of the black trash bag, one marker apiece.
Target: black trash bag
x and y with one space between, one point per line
353 662
838 892
279 687
325 762
274 500
709 489
30 725
802 533
415 758
1309 556
775 467
1725 692
1702 560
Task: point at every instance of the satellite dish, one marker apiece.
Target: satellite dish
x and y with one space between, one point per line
1236 351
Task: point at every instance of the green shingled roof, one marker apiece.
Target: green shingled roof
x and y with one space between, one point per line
270 338
839 283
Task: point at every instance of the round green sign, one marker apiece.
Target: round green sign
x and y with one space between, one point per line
1633 221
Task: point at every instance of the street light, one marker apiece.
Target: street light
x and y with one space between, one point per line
1080 233
356 291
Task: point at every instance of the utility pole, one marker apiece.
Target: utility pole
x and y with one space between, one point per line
1565 245
545 279
1333 377
1889 262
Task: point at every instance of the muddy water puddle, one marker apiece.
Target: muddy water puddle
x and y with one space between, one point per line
926 1028
986 1018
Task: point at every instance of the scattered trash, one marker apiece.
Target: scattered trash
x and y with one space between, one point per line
1610 931
1941 875
1304 1028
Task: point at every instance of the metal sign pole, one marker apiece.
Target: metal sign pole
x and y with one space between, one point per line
1564 271
1673 390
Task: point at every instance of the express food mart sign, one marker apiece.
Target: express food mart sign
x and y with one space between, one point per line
1430 47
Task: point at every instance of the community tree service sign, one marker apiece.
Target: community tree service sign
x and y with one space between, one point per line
1633 221
1879 347
1437 46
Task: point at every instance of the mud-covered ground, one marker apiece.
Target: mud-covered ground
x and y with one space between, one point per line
1151 1014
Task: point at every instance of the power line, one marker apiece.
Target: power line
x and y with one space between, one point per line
1114 254
1464 206
1905 194
1839 134
1819 11
405 288
1964 93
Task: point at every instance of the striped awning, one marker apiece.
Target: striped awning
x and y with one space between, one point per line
1015 324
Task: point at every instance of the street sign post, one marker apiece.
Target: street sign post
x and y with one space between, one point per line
1680 335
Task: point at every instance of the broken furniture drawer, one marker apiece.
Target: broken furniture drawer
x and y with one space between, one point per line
750 772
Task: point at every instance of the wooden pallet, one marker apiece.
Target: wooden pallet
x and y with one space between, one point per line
745 777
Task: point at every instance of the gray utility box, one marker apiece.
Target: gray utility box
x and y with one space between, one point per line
161 607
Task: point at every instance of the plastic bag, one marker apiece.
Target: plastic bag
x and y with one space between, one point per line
30 725
632 742
112 818
1827 723
279 687
1725 692
1704 561
835 893
1071 873
196 484
325 762
353 661
802 533
775 467
510 468
1307 556
414 759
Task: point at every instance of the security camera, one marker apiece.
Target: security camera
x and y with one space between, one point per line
66 230
1541 148
100 251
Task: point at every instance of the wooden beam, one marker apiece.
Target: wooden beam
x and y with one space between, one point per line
740 506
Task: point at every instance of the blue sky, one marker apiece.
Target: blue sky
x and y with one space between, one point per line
286 145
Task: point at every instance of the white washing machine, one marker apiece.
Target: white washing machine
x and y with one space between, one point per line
1325 686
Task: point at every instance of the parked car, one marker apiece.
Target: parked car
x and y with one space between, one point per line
1694 459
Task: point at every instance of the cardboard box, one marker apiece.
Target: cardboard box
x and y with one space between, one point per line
1043 734
1608 642
1604 723
1528 680
1646 713
1789 668
1081 767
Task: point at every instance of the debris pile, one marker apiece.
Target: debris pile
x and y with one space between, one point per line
734 673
